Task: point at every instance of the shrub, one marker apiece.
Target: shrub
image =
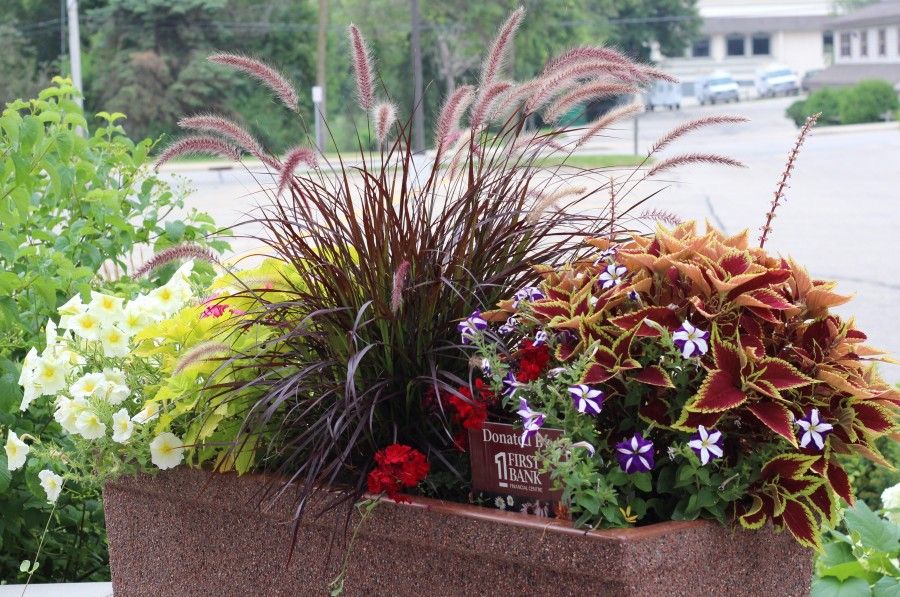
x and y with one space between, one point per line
823 100
70 202
867 101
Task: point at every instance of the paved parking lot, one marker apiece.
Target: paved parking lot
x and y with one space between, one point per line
840 219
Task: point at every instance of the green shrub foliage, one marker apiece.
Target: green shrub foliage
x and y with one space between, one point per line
867 101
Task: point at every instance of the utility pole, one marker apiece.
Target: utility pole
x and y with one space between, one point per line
75 47
418 102
321 76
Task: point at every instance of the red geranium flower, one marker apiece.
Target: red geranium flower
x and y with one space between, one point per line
533 360
398 466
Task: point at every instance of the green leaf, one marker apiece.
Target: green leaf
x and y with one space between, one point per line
886 587
834 553
874 532
851 569
832 587
642 481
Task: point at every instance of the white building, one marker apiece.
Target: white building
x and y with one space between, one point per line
866 46
741 37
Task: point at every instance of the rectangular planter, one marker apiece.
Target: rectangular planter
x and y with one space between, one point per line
189 532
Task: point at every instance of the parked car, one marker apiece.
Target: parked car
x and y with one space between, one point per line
807 77
664 94
718 87
777 79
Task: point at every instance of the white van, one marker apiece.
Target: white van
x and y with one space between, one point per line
777 79
718 87
664 94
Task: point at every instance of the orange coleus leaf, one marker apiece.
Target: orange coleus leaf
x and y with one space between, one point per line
772 276
763 298
664 316
781 374
800 521
718 392
820 298
654 375
776 417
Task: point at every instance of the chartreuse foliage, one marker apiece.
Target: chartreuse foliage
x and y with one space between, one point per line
772 359
72 196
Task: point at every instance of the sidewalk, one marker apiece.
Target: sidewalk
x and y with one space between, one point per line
83 589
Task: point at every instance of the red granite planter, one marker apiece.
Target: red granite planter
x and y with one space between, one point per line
188 532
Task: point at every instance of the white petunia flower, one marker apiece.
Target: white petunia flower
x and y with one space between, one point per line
52 484
148 413
116 388
108 309
88 386
114 342
27 380
166 451
89 425
50 374
73 307
86 325
67 412
136 317
122 425
16 451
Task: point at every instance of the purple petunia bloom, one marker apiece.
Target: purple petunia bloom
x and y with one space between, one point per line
509 384
472 325
532 421
510 326
606 255
486 367
613 275
586 399
633 295
566 337
814 429
706 444
529 293
635 454
540 338
691 341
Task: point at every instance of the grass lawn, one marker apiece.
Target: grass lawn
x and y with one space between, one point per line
593 161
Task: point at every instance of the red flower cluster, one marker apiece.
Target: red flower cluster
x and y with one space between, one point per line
470 413
398 466
532 361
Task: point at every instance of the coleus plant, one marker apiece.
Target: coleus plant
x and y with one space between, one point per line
697 336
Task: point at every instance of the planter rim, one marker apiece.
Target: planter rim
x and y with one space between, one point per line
470 511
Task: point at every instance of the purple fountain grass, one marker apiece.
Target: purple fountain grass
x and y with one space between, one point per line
484 102
547 200
212 123
608 119
384 115
291 160
693 158
398 284
693 125
362 68
786 175
273 79
202 352
180 252
198 144
559 80
660 215
451 113
499 51
588 53
579 95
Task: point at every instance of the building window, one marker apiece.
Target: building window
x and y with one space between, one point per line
882 42
845 44
700 49
760 44
734 45
863 43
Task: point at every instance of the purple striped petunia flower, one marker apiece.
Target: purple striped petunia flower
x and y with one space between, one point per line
814 429
691 341
613 275
509 327
529 293
510 383
587 400
532 420
706 444
540 338
635 454
472 325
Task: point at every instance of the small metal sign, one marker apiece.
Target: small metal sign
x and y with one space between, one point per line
502 465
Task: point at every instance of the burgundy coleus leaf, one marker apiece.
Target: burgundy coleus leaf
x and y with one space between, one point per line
718 392
800 487
772 276
653 375
754 516
735 264
776 417
689 421
873 417
781 374
656 409
664 316
800 521
764 314
824 502
602 369
767 299
788 466
839 481
550 310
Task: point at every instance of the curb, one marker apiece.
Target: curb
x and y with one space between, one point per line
858 128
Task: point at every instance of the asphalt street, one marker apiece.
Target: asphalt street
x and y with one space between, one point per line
840 217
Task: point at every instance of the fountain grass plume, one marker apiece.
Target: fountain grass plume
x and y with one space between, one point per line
291 161
362 68
198 145
180 252
262 72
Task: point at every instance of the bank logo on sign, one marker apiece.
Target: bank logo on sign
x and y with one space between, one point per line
500 460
